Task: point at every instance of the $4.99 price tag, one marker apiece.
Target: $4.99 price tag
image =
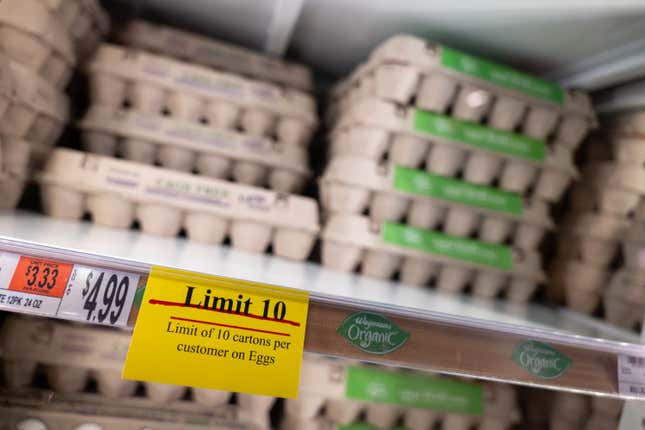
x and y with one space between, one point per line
219 333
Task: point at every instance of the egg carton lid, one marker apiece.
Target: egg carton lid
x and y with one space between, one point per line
385 115
37 93
595 225
499 79
91 7
33 17
432 246
203 50
194 136
135 64
54 342
15 157
626 176
142 183
366 173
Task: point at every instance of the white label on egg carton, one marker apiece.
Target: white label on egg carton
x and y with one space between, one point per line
217 54
445 130
51 342
38 93
433 59
417 184
47 287
196 137
202 82
431 246
91 173
32 16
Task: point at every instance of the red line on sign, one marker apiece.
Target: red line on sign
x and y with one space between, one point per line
230 326
184 305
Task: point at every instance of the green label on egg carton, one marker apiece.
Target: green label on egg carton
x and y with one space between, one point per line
414 181
414 390
502 75
459 248
479 136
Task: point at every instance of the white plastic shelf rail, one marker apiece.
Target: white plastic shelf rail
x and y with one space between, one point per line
451 335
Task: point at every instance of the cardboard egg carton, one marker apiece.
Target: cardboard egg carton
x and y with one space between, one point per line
409 70
591 238
116 192
33 36
621 148
609 200
394 193
72 355
152 83
14 170
581 282
624 299
420 255
43 417
569 411
633 247
185 146
35 111
219 55
322 399
85 20
376 129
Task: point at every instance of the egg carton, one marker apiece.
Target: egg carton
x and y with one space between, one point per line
86 21
454 262
394 193
624 299
621 148
227 57
31 35
629 177
72 355
591 238
633 247
631 124
36 111
582 283
181 145
151 83
406 69
606 200
116 192
376 129
14 170
47 418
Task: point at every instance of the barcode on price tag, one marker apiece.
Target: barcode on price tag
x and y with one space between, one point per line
631 375
69 291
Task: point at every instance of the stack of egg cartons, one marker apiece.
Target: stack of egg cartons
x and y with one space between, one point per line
470 154
72 355
322 404
240 135
39 42
36 61
607 208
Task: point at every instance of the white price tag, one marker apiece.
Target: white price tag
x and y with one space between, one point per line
631 375
40 286
99 296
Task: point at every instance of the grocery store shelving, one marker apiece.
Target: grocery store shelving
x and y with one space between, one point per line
452 335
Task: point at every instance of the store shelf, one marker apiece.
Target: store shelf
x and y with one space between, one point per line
453 335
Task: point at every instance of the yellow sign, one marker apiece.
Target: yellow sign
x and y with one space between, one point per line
221 333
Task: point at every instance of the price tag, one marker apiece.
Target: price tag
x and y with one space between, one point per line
69 291
220 333
631 375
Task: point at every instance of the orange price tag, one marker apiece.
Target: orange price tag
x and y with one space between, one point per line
39 276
